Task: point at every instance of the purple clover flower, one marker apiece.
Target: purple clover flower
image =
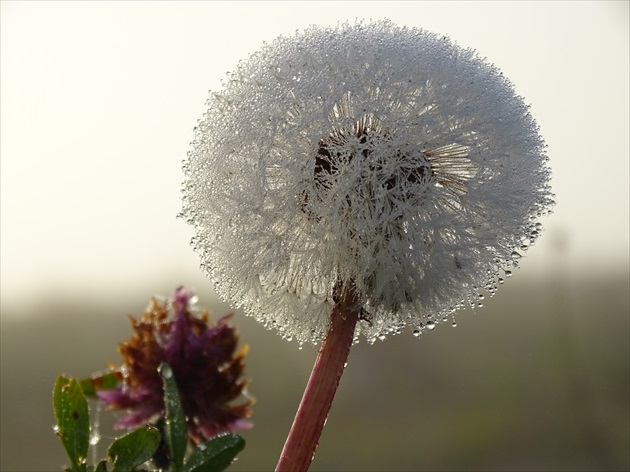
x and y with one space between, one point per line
205 364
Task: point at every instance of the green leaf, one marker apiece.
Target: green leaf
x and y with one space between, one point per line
99 381
175 427
73 420
216 454
100 467
133 449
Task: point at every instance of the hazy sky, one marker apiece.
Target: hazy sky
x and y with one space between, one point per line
98 102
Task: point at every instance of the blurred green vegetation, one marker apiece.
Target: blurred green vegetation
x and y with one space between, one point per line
536 380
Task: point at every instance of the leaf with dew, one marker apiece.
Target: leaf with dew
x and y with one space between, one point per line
73 421
133 449
175 429
216 454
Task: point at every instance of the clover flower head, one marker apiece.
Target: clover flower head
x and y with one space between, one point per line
206 369
383 156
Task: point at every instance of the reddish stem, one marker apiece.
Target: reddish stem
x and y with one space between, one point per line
311 415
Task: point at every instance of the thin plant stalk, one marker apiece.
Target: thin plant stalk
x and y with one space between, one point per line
303 438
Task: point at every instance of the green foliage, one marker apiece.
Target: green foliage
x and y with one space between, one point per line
216 454
99 381
101 466
134 449
175 424
73 421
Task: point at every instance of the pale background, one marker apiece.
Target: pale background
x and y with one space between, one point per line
98 102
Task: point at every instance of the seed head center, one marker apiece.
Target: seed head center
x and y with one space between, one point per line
394 166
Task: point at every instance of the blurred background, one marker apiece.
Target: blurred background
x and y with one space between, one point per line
98 103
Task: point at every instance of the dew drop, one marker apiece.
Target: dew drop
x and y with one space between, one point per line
501 281
508 274
417 332
430 325
516 255
480 296
94 438
454 324
480 305
57 430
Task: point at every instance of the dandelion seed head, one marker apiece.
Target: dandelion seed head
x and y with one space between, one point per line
383 156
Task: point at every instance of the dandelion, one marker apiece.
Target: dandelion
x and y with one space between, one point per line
381 174
388 157
205 367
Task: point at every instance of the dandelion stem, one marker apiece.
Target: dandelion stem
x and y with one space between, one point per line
303 438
